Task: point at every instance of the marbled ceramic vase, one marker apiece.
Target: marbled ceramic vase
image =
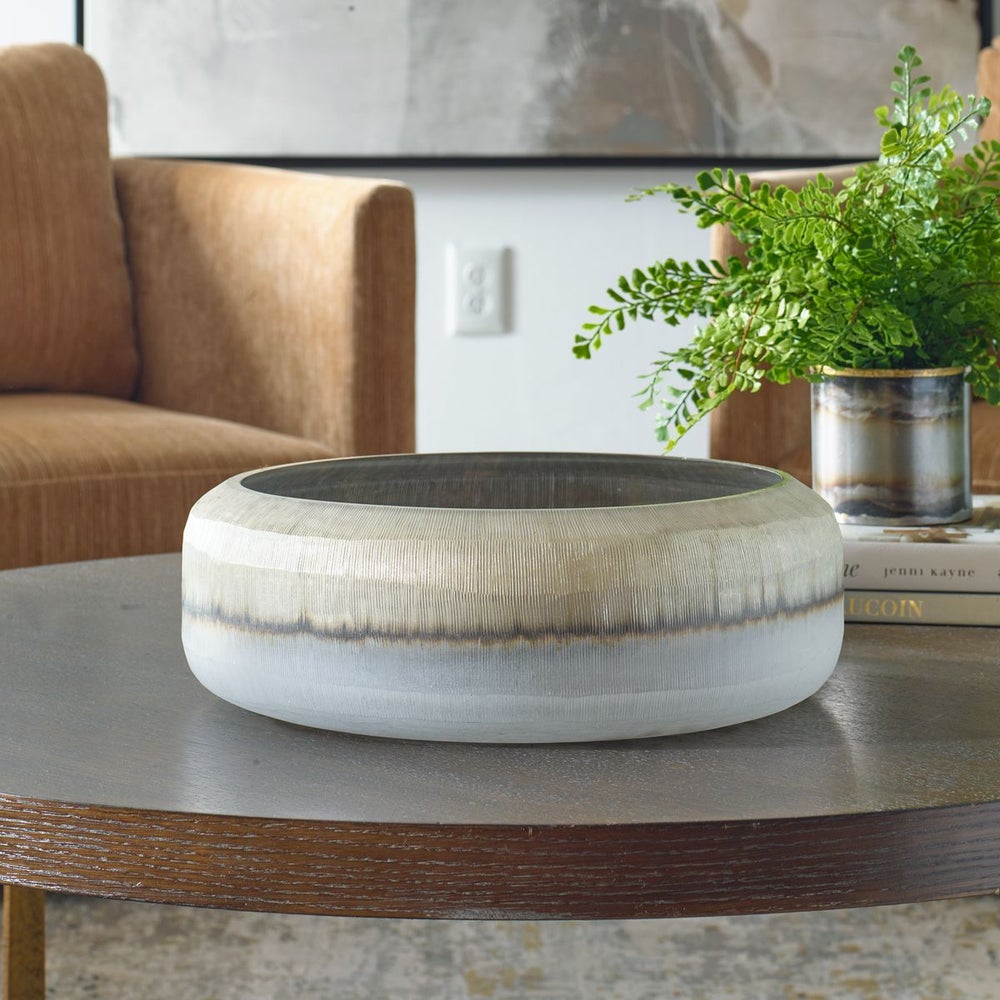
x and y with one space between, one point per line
892 447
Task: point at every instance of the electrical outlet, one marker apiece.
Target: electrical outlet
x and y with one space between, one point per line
478 289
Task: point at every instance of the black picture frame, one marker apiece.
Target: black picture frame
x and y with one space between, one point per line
666 160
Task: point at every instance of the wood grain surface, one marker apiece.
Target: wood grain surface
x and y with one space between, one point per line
120 776
22 968
513 872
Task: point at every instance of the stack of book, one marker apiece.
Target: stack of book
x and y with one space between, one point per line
945 574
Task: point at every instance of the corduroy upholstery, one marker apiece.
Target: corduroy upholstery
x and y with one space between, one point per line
773 426
279 299
88 477
65 309
166 325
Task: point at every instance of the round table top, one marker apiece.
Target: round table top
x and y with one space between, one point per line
121 776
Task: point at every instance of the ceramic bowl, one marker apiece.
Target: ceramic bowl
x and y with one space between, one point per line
513 597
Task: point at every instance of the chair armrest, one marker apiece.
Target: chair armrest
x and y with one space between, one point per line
278 299
985 420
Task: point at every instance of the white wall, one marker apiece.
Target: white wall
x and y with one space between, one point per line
571 234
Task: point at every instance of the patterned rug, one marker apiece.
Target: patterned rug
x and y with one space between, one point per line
112 951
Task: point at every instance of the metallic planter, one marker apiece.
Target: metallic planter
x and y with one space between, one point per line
892 447
513 597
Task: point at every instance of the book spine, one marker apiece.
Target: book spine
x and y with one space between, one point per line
921 608
924 566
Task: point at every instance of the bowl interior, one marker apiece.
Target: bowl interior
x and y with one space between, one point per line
511 481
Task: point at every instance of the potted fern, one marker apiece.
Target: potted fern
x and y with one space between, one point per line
883 292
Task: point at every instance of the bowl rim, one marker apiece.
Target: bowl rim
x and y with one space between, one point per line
778 479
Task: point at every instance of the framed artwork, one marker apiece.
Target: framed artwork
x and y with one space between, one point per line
480 81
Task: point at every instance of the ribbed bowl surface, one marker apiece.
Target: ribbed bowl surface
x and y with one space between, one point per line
512 597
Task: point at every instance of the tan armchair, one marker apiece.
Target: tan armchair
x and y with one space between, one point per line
772 427
167 324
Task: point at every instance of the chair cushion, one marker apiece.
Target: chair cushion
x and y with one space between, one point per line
84 477
65 308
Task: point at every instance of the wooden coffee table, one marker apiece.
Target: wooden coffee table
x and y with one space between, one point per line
121 777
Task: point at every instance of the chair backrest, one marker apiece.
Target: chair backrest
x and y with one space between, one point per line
64 289
772 427
988 85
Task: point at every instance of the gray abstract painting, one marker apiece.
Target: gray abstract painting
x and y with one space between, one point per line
518 78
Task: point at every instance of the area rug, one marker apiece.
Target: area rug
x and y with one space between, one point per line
102 950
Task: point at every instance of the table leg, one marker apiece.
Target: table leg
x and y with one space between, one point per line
23 943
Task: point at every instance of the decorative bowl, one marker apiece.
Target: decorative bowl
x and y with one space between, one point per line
513 597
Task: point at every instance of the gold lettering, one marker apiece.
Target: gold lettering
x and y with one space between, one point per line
885 607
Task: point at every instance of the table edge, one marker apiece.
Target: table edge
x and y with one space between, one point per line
492 871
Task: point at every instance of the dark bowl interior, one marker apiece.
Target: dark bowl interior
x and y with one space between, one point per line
511 480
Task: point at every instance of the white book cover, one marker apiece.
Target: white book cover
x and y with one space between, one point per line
957 558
